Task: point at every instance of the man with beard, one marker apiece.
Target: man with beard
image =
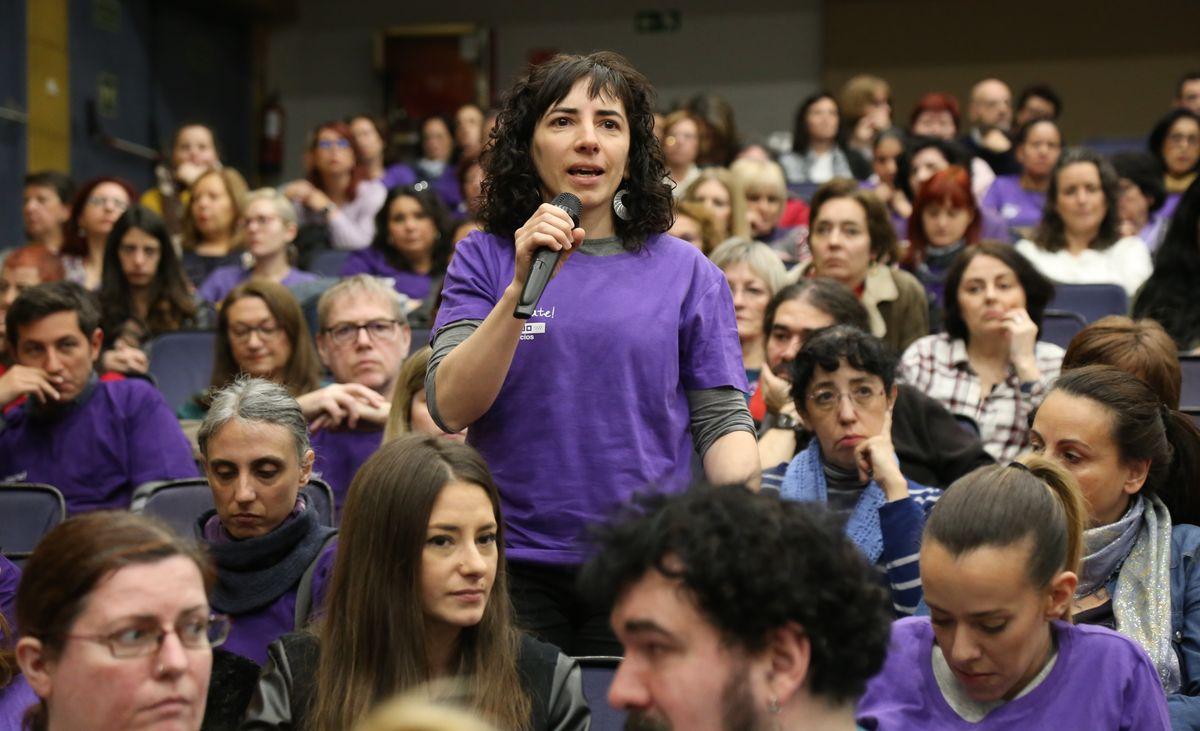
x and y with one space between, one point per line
712 646
933 447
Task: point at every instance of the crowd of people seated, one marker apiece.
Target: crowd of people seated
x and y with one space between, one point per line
921 508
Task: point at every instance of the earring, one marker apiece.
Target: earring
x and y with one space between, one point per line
773 706
619 205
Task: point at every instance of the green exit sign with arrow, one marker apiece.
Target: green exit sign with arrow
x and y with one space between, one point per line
658 21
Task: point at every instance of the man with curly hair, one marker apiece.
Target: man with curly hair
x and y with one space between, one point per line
738 612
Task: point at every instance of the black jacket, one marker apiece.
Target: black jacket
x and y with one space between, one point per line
288 684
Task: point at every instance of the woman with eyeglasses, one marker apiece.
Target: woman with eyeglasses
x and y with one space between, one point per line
261 332
98 205
989 368
116 631
411 245
273 551
1175 141
268 227
336 193
844 389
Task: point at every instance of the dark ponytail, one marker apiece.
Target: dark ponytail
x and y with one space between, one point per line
1003 505
1146 429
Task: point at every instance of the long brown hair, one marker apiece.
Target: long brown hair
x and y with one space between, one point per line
1001 505
408 383
372 638
303 370
77 555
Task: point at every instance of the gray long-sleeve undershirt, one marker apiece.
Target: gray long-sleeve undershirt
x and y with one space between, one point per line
714 412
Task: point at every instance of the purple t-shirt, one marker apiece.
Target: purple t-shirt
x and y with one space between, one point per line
372 261
15 699
10 579
1019 207
119 436
251 632
1100 680
594 407
339 455
223 279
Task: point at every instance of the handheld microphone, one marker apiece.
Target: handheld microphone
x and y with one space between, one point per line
544 261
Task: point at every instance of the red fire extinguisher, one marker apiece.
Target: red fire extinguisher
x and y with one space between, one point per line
270 152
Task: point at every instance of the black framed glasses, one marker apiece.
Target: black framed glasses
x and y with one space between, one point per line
345 333
144 637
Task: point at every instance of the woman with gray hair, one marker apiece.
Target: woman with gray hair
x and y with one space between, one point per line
269 226
273 555
754 274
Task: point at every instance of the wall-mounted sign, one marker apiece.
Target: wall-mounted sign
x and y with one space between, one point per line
658 21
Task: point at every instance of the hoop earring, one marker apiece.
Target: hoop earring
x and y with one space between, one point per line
619 205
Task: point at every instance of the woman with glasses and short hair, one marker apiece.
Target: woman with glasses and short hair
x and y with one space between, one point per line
261 332
844 389
268 226
116 631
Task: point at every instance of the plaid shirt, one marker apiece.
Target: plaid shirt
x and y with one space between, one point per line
938 365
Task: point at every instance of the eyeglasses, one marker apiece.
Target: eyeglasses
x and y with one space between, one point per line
145 637
1181 139
260 221
340 143
827 399
266 331
347 332
100 201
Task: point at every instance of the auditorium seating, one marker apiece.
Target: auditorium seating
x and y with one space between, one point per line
598 673
181 502
328 263
1092 301
181 363
1059 326
1189 396
28 510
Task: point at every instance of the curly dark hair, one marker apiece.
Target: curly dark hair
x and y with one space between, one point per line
1038 289
805 571
828 347
433 207
512 189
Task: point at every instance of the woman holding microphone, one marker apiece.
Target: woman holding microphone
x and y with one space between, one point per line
631 358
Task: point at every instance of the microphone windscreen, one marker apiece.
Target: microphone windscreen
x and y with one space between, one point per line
570 203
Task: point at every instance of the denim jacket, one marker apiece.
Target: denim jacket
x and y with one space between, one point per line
1184 706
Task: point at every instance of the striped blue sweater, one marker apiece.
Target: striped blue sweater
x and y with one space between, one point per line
901 522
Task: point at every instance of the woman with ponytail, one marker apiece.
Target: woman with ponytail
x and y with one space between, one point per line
1137 462
999 564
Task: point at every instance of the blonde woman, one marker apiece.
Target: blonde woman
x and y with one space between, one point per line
718 191
766 196
210 222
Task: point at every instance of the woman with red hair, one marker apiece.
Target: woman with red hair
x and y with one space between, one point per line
944 221
936 115
97 206
336 192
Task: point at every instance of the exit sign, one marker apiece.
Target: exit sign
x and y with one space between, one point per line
658 21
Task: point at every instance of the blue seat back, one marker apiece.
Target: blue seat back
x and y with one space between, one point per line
1093 301
1189 396
180 503
181 363
328 263
28 511
598 673
1059 326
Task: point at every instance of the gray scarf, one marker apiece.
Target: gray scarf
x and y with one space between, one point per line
1138 549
